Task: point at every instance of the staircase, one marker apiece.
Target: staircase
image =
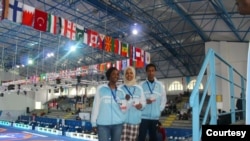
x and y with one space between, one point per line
167 122
184 124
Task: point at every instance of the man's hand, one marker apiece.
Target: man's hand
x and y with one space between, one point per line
149 101
94 129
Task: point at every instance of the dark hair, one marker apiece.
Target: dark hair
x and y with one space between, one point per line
109 71
150 65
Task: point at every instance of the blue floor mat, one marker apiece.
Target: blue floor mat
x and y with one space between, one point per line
14 134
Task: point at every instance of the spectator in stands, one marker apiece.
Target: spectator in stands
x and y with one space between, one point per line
78 118
136 101
57 106
161 132
155 94
107 115
239 106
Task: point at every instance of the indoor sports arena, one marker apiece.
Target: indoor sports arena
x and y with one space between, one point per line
128 70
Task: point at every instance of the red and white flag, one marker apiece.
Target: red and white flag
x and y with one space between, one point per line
28 15
92 38
67 28
139 54
147 58
40 22
119 64
71 30
117 46
100 41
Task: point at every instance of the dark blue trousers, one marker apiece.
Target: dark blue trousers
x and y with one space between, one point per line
150 127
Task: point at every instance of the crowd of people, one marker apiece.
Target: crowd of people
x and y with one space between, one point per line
130 111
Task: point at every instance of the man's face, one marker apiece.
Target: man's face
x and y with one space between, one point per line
114 76
151 73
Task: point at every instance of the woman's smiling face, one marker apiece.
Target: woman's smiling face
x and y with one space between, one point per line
129 75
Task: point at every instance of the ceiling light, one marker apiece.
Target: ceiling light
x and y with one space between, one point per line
135 31
30 61
72 48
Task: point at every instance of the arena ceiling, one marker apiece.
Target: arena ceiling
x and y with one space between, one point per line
174 32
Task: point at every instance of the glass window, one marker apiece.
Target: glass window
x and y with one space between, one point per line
191 85
176 85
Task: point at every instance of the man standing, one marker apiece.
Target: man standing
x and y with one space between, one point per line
155 95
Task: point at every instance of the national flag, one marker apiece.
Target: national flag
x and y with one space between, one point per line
52 21
92 38
100 41
112 45
113 64
132 56
67 28
132 53
116 46
138 54
147 58
78 71
12 10
43 77
139 58
71 30
108 65
84 70
132 62
125 64
124 51
40 22
63 23
118 64
79 33
108 44
103 67
93 68
85 36
28 15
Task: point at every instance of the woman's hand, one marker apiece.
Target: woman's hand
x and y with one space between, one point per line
138 106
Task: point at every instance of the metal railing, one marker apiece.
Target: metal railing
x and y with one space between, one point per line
198 98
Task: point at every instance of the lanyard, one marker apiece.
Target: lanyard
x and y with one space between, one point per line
113 92
151 90
129 90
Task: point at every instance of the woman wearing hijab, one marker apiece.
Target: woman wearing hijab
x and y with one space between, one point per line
135 101
108 114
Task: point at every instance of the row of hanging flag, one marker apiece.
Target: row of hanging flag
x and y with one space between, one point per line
84 70
24 14
72 73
